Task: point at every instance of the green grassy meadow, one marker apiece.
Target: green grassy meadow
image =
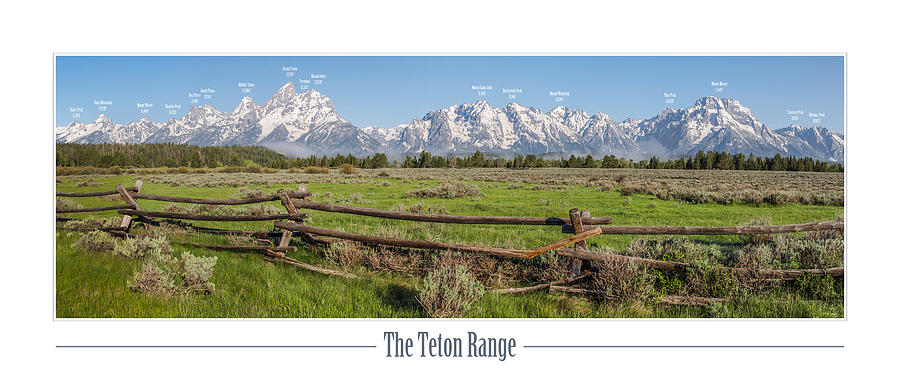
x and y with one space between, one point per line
93 284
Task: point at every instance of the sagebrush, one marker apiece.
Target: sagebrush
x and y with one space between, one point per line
449 291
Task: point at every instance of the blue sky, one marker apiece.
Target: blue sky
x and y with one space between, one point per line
389 90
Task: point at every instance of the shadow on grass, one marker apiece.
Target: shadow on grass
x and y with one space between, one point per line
401 298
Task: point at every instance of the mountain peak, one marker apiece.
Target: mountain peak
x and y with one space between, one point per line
103 119
716 102
516 107
480 106
289 86
559 110
312 94
286 92
709 102
246 105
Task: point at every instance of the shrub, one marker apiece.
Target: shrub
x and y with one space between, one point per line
197 271
87 183
383 174
316 170
248 193
345 254
818 287
156 275
671 248
717 310
241 240
90 223
622 280
96 241
447 190
138 247
797 253
420 207
758 238
347 169
66 204
449 291
357 198
793 252
170 230
711 281
162 275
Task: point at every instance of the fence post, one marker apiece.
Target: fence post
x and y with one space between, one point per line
576 265
285 239
585 264
289 206
126 220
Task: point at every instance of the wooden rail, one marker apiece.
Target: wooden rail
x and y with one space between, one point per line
714 230
192 200
789 274
445 218
240 248
435 245
203 217
90 194
100 209
132 209
399 242
210 230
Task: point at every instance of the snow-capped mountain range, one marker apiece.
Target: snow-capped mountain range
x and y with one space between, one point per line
308 121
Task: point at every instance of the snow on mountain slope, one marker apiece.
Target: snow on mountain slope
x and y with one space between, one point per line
710 124
825 144
101 130
310 121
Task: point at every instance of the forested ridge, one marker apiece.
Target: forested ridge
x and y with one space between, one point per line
192 156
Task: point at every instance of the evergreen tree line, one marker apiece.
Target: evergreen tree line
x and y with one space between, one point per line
709 160
179 155
162 155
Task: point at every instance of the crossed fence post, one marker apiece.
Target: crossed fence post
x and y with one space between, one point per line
126 219
576 265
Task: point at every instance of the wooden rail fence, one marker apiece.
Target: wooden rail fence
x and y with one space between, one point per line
579 224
